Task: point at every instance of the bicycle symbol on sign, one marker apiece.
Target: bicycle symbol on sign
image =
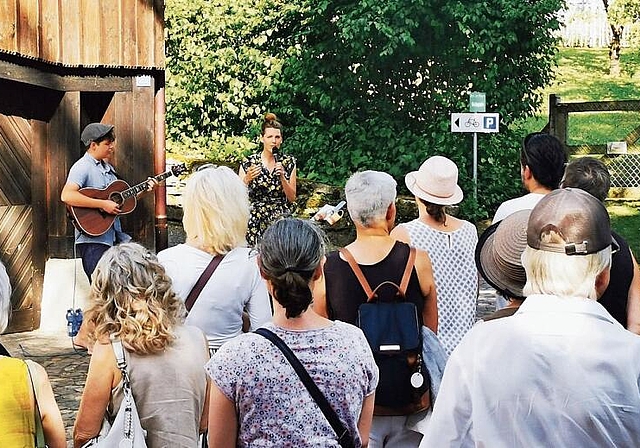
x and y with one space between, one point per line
472 122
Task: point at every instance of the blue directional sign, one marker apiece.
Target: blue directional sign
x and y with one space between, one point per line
475 122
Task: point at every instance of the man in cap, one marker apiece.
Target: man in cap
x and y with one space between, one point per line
622 297
560 372
93 170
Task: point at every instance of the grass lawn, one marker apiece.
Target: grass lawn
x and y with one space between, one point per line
582 74
625 219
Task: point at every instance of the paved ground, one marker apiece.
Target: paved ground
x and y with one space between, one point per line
67 368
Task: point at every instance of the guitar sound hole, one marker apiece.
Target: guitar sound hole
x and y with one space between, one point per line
117 198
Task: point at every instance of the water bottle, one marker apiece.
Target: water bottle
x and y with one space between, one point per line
77 320
70 325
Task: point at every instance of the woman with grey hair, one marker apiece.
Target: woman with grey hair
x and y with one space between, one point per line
338 295
216 212
256 390
25 385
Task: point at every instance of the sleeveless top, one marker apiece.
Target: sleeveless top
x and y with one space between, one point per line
344 294
17 416
169 389
455 274
615 297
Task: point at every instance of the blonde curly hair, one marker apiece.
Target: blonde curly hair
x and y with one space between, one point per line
132 298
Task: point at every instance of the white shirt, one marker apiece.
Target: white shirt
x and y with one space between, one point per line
235 285
526 202
561 372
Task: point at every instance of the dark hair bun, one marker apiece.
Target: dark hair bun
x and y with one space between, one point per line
270 116
290 252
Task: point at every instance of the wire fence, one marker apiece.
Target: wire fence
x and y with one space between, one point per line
624 170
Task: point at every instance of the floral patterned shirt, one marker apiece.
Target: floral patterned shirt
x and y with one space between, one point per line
274 408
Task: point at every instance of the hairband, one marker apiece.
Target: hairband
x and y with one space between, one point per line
295 269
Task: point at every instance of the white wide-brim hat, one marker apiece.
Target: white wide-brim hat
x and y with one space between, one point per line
436 181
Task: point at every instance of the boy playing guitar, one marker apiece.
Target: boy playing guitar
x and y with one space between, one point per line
94 171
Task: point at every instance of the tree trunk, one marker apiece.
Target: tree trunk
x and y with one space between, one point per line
614 50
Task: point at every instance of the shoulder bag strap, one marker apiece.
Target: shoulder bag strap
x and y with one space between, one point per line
202 280
358 272
118 350
344 438
404 283
116 344
40 440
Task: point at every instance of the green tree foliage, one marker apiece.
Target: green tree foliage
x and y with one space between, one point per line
374 83
624 12
221 60
367 84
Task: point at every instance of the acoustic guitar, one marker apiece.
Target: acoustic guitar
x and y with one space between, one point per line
95 221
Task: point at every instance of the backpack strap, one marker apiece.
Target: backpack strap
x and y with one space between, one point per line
411 261
39 436
358 272
371 294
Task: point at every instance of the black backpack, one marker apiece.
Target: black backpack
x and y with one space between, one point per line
393 331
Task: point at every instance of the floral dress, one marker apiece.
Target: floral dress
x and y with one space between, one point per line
268 201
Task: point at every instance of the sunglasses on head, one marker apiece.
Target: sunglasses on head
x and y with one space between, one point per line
206 166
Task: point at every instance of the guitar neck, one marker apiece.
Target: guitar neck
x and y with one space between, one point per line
142 186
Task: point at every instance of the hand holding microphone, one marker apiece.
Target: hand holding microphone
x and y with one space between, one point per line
278 170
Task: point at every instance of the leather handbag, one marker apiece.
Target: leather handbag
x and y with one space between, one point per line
126 430
344 437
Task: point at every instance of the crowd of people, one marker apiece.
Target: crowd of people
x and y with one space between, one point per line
250 334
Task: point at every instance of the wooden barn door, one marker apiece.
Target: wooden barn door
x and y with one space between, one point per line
16 223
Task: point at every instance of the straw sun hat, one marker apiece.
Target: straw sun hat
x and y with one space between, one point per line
436 181
498 254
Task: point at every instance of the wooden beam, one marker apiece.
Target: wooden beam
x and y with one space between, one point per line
603 106
39 78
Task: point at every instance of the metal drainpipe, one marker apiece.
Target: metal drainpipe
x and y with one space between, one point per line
159 146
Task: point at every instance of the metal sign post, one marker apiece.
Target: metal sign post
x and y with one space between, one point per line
475 166
475 123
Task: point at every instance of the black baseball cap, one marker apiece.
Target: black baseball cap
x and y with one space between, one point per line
570 221
94 131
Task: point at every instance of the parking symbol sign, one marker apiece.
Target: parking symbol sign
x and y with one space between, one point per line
475 122
490 123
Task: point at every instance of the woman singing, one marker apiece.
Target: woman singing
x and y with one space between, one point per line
271 178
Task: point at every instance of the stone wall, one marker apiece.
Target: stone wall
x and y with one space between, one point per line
311 197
